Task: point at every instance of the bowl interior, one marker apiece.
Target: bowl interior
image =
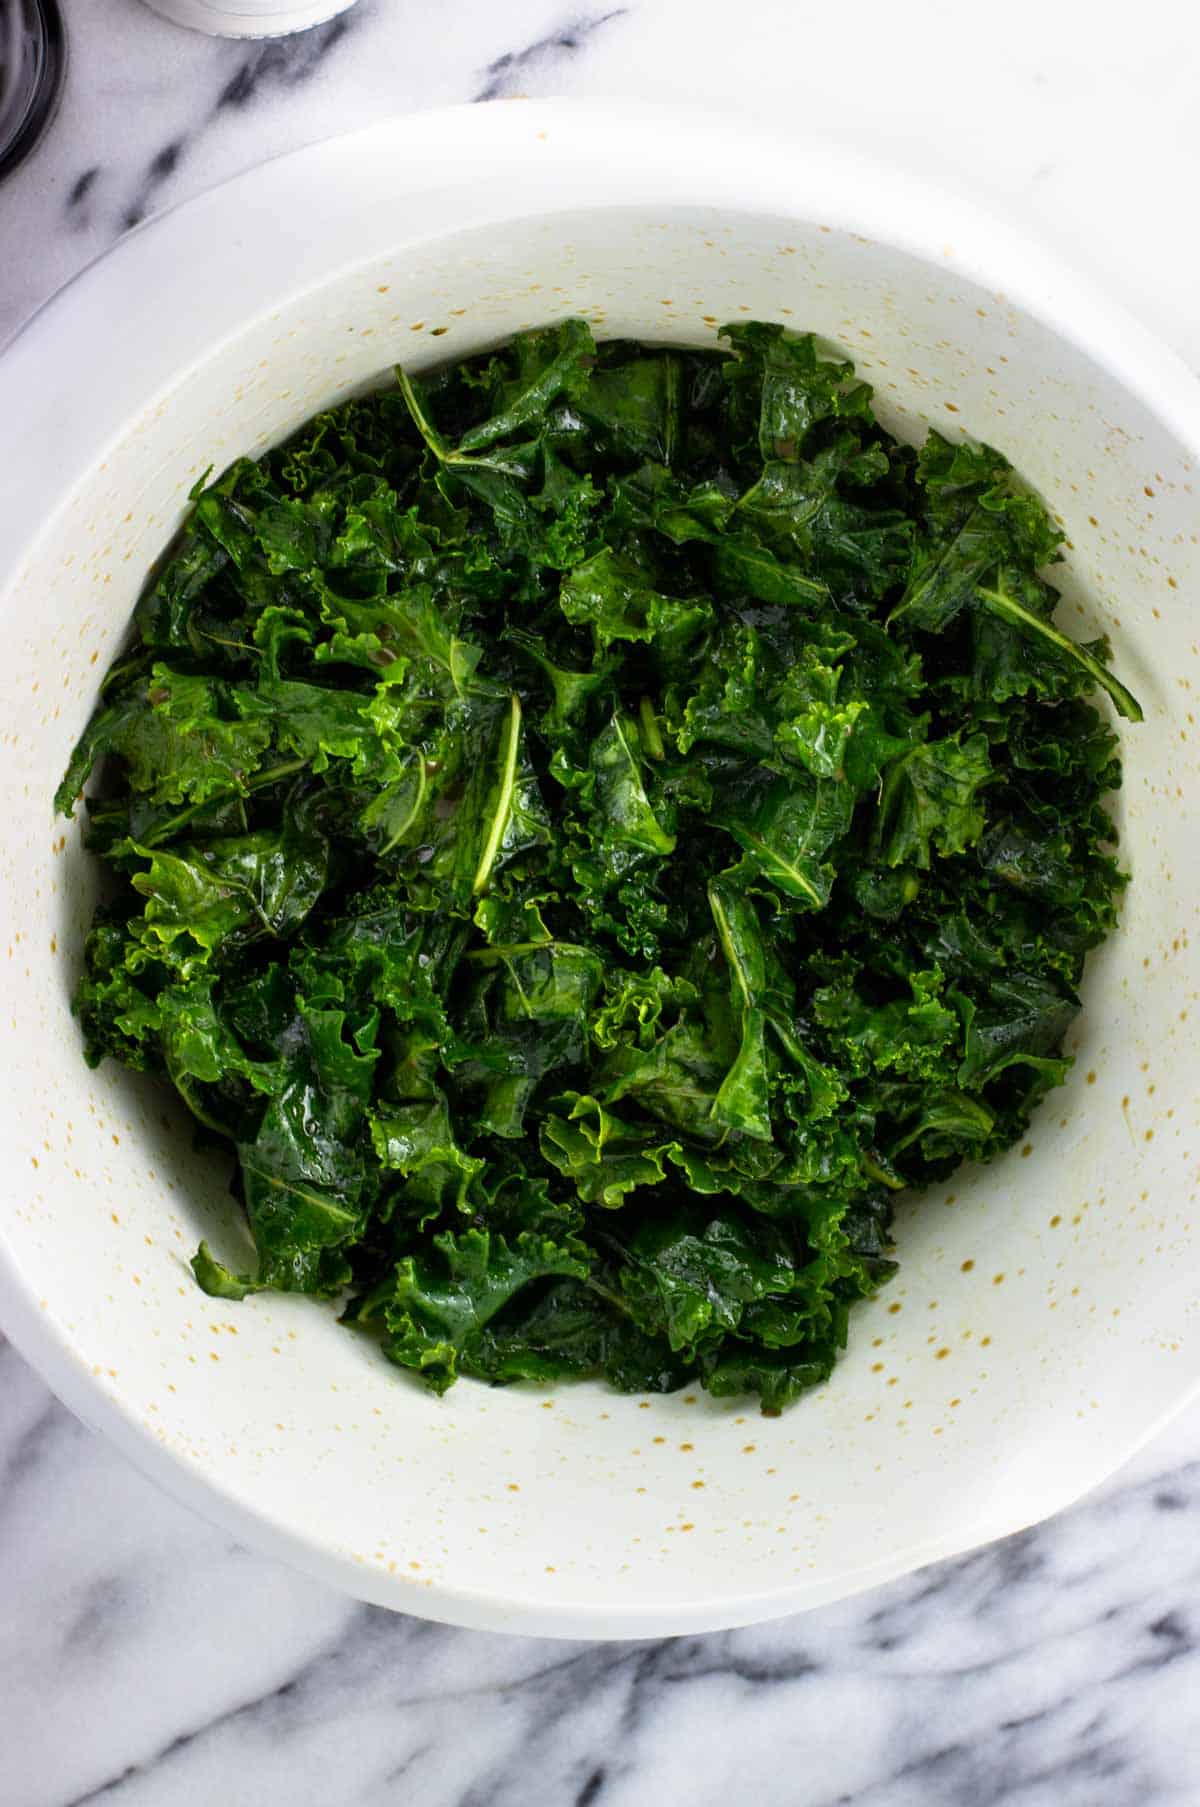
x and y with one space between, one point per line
1045 1310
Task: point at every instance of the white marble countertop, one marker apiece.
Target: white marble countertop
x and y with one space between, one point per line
144 1658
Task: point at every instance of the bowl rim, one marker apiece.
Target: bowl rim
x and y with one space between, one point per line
663 156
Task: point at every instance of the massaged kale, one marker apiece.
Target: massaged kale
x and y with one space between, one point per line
589 828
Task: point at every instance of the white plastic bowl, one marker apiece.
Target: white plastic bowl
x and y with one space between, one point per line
1045 1319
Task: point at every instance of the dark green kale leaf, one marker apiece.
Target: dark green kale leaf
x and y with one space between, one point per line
980 543
588 827
437 1305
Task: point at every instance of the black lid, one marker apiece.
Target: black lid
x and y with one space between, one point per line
33 62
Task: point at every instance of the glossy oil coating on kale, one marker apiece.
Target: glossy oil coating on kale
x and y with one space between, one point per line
590 827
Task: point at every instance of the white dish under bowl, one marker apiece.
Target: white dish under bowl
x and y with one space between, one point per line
1044 1322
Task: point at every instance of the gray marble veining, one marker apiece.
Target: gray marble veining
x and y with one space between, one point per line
147 1661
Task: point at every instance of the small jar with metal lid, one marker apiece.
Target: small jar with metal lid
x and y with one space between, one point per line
249 18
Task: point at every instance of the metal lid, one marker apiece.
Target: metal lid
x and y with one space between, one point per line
249 18
33 62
